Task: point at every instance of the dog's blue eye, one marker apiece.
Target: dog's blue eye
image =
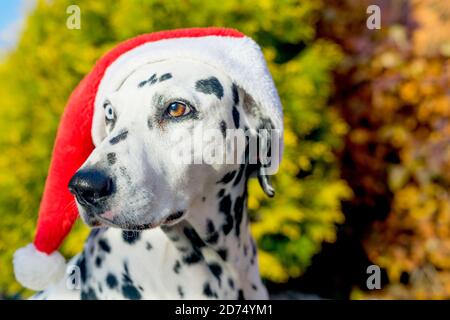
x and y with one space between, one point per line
178 109
109 112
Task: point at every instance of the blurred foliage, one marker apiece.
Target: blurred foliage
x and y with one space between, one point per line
394 93
37 77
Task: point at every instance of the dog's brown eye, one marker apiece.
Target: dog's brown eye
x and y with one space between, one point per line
178 109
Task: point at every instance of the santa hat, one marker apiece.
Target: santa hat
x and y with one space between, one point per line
39 264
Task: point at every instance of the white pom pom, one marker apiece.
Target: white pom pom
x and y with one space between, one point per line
37 270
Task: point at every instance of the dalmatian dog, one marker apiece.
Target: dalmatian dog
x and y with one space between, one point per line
163 228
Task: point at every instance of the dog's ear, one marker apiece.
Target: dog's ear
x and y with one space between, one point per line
268 140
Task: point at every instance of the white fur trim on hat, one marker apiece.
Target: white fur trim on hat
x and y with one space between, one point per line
37 270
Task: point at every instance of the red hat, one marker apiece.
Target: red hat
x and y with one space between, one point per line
39 264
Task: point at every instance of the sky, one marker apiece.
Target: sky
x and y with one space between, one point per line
12 15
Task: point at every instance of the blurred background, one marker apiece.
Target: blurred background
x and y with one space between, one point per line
365 178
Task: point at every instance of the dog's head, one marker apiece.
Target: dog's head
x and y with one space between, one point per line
163 132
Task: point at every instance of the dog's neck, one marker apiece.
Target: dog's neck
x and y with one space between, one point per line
216 229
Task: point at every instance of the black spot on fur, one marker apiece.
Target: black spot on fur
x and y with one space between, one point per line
197 243
210 86
207 291
130 237
241 295
180 291
150 123
88 295
221 193
223 253
223 128
252 260
213 235
193 237
111 280
210 226
228 177
192 258
104 245
238 213
225 207
129 291
254 287
216 270
148 246
150 81
236 119
121 136
234 89
231 283
111 158
177 267
203 199
253 248
98 261
165 76
126 274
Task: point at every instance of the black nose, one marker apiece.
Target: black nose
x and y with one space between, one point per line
90 186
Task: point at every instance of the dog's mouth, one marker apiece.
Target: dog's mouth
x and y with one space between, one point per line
100 222
108 220
174 218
